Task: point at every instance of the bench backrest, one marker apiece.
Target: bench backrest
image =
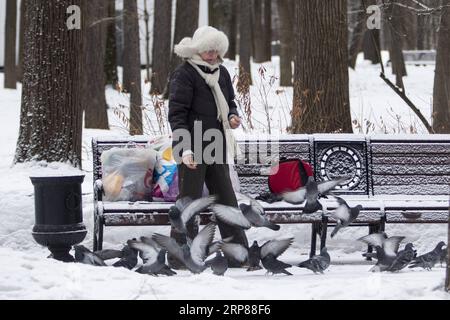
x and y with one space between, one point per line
388 164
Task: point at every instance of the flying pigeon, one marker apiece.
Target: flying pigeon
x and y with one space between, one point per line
428 260
86 256
317 263
344 215
384 261
255 254
157 267
230 215
193 256
275 266
257 220
311 192
186 208
390 245
219 264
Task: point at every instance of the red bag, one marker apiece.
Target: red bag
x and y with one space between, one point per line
289 175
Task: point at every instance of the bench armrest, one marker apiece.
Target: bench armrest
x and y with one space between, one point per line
98 190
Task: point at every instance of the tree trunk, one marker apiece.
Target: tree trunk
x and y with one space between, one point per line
21 39
245 41
358 32
371 46
232 50
10 44
51 114
94 47
267 30
132 65
258 31
286 35
111 76
162 26
321 84
147 41
396 35
441 92
186 22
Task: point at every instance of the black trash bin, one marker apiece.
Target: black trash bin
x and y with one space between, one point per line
59 214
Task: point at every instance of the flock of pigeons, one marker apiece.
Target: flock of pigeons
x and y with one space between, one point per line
152 250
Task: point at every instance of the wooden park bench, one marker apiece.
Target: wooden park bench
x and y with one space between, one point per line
418 57
397 179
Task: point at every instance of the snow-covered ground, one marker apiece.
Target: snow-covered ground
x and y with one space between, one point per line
26 273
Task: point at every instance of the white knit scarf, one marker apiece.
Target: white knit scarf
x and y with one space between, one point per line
223 110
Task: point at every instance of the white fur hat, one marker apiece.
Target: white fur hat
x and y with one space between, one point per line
205 39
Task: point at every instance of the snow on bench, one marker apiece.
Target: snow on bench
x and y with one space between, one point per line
396 178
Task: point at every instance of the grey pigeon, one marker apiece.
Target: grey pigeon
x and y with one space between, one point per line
254 212
317 263
108 254
86 256
230 215
271 264
344 215
147 248
192 256
157 267
384 261
390 245
255 254
403 258
428 260
129 258
311 192
186 208
219 264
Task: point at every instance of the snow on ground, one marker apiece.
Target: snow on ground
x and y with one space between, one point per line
26 273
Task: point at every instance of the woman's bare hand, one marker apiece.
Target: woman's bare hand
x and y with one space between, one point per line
188 160
235 122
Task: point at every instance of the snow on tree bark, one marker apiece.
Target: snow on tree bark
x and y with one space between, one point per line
51 114
321 83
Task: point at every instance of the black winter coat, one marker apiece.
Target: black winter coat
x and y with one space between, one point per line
191 99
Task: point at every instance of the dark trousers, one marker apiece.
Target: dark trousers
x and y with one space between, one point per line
217 179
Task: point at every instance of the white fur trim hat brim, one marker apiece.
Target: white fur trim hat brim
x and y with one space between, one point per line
204 39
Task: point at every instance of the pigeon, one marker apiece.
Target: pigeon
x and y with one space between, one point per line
186 208
275 266
344 215
317 263
108 254
129 258
384 261
428 260
311 192
255 254
219 264
403 258
390 245
157 267
86 256
254 212
230 215
192 256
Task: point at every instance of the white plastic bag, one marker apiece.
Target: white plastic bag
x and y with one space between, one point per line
128 173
